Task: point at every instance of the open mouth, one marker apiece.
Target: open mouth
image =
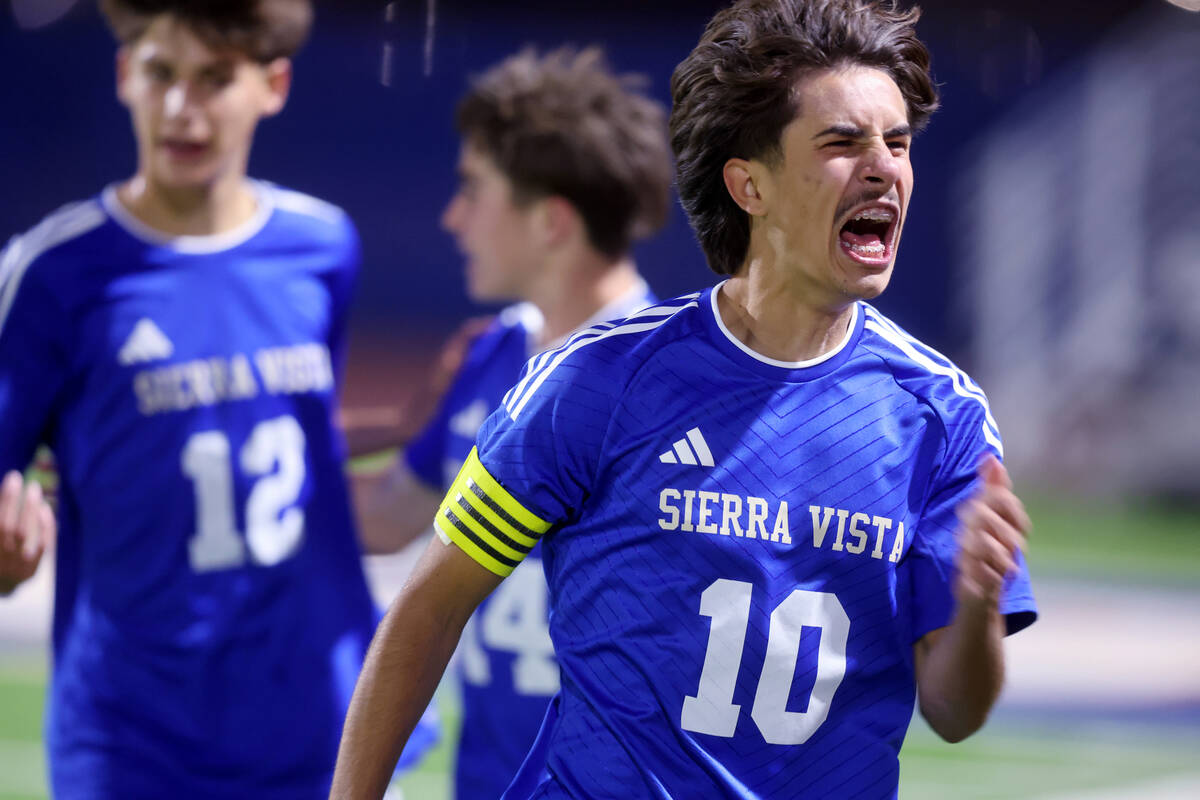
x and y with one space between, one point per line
184 150
869 235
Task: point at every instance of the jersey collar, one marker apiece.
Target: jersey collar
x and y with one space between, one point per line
740 353
190 244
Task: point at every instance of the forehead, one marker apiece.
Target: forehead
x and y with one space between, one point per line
475 162
855 95
169 39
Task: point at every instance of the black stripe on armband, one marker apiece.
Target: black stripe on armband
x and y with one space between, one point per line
479 542
502 514
500 535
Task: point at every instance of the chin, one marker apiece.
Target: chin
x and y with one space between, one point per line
184 179
871 286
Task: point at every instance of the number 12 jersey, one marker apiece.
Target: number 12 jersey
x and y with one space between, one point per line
211 613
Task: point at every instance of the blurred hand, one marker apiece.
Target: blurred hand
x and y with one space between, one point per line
370 430
993 529
27 528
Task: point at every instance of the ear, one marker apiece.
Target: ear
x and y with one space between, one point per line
122 73
745 182
557 220
279 84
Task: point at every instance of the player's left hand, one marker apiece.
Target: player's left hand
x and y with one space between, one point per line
993 529
27 528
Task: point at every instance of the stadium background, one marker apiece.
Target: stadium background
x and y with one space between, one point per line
1053 250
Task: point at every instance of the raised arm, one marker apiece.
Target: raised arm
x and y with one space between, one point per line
960 668
404 664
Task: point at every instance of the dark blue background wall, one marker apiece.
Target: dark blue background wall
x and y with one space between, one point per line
386 154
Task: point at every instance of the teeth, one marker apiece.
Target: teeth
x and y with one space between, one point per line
875 215
868 249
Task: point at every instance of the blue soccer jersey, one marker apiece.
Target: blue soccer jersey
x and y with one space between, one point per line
211 613
507 667
741 552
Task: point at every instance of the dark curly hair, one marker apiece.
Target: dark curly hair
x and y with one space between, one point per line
263 30
563 124
734 94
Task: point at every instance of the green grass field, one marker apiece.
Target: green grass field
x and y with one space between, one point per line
1015 757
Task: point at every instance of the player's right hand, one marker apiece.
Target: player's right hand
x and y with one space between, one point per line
27 528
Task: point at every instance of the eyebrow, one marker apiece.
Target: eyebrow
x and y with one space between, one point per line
219 68
853 132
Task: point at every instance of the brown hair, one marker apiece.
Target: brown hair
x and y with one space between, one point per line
564 125
263 30
734 94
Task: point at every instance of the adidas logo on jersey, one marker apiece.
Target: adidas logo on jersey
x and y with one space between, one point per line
467 422
146 343
692 449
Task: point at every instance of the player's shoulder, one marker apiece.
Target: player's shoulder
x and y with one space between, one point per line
603 358
927 374
521 317
318 218
53 240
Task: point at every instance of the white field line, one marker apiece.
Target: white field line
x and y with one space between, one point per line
1177 787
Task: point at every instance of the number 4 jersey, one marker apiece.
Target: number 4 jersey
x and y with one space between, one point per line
741 552
211 613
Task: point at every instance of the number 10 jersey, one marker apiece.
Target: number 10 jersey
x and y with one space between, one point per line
741 552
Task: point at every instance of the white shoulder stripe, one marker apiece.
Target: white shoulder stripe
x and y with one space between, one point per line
61 226
309 206
967 383
541 359
903 343
645 320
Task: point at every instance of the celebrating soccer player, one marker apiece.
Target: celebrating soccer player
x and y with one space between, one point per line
770 518
562 167
177 341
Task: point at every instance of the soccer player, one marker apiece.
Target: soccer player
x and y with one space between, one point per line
177 340
770 518
562 167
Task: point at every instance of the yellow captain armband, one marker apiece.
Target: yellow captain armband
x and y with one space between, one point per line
485 521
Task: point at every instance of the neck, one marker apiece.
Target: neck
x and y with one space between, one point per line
576 292
773 316
190 211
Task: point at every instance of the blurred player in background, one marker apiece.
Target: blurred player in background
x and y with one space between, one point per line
177 340
563 166
770 519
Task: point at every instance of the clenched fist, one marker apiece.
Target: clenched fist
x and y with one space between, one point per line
27 528
993 528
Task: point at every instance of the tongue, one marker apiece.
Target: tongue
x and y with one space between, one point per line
861 239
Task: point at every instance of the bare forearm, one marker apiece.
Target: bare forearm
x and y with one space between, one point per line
405 662
407 657
393 508
960 668
962 671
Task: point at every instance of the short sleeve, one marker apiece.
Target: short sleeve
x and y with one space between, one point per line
935 544
342 281
543 443
535 461
33 366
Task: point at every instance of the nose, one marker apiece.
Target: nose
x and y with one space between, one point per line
179 99
879 166
452 214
